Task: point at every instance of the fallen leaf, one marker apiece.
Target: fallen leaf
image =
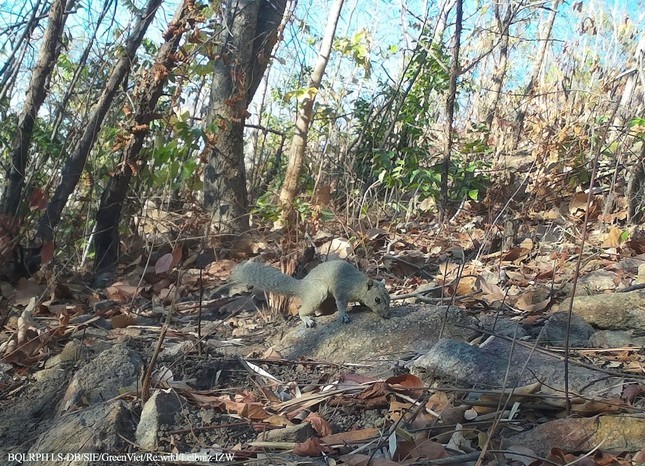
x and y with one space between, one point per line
123 321
416 449
351 437
613 239
164 263
310 447
320 425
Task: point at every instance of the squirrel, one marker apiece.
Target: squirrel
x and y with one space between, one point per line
337 279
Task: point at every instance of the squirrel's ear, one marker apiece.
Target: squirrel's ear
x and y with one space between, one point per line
370 284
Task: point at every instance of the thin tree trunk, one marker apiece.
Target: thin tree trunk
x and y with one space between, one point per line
253 28
22 42
499 75
299 141
148 91
73 168
450 110
35 97
530 87
82 61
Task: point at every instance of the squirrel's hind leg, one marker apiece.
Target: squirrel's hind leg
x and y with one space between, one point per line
310 304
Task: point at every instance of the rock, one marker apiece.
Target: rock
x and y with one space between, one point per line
554 331
631 264
109 374
500 325
159 410
71 353
487 366
613 433
29 414
98 429
453 359
408 331
616 339
617 311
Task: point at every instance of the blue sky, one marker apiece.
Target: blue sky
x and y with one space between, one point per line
386 26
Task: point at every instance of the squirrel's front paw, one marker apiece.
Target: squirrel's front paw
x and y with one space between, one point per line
308 321
344 318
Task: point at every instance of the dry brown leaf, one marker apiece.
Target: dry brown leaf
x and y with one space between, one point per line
271 354
533 301
337 248
38 200
310 447
631 391
578 203
426 449
491 293
26 289
164 263
640 456
121 291
613 238
123 321
320 425
278 420
47 252
249 410
407 382
351 437
397 409
376 390
438 401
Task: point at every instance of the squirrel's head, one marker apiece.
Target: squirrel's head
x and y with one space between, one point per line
377 298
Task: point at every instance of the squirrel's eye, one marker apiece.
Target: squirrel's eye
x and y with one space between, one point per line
378 300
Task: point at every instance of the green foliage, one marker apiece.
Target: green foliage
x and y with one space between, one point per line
401 154
396 148
637 127
170 159
356 48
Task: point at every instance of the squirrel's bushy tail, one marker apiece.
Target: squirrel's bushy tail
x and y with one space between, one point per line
265 278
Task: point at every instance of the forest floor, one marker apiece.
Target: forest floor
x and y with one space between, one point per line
470 368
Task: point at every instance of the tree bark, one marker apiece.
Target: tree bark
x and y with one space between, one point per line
253 27
35 97
73 168
450 110
146 94
499 74
299 141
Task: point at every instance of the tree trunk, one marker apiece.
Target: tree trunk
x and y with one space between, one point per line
147 93
530 87
499 74
253 27
73 168
36 93
12 64
299 141
450 110
82 62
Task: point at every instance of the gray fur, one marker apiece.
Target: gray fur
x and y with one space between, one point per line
337 278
